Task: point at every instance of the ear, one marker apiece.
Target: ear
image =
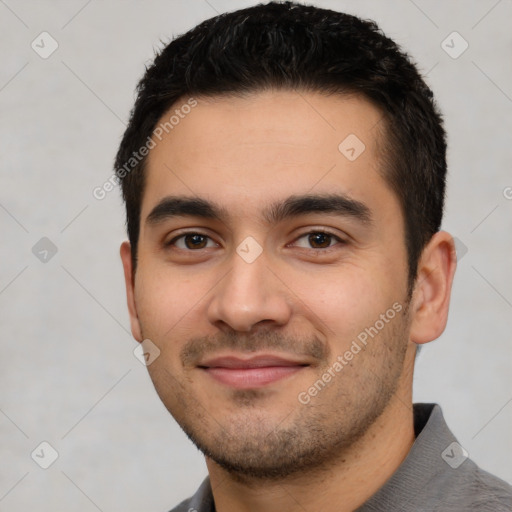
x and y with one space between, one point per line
431 298
129 277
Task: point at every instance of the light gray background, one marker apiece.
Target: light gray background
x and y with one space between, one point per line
68 375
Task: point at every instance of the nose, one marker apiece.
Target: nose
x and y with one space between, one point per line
249 295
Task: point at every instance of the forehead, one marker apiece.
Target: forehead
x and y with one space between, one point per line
251 151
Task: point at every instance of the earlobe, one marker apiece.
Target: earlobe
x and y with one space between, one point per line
432 291
129 278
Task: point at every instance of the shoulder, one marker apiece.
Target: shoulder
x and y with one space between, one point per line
487 492
438 476
184 506
202 501
470 488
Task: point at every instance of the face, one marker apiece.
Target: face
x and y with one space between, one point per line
272 277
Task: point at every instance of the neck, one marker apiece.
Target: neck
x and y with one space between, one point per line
355 476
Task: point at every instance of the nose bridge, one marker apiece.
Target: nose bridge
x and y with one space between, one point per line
249 293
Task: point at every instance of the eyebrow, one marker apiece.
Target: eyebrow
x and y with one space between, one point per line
294 206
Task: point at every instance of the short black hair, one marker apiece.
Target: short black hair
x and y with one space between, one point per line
291 46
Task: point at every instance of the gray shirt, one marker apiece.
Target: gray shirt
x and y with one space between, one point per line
436 476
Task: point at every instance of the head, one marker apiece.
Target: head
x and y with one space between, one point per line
287 205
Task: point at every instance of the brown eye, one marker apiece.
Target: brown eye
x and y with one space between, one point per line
319 240
191 241
195 241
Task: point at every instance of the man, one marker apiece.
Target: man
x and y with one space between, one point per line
284 177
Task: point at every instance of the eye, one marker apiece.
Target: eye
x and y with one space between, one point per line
318 240
191 241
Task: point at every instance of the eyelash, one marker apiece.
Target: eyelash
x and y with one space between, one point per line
313 232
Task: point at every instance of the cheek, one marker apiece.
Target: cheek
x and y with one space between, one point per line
345 300
166 303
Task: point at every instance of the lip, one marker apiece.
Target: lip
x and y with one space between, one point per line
250 373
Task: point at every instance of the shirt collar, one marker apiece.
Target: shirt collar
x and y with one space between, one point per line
408 484
403 488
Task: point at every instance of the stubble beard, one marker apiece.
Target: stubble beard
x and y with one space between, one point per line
305 438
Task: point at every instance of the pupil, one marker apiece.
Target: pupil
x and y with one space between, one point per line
319 239
195 241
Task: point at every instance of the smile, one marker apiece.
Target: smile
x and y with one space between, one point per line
252 373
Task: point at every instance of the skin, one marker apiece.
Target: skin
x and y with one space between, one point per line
265 450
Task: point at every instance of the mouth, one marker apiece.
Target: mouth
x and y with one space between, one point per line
251 373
